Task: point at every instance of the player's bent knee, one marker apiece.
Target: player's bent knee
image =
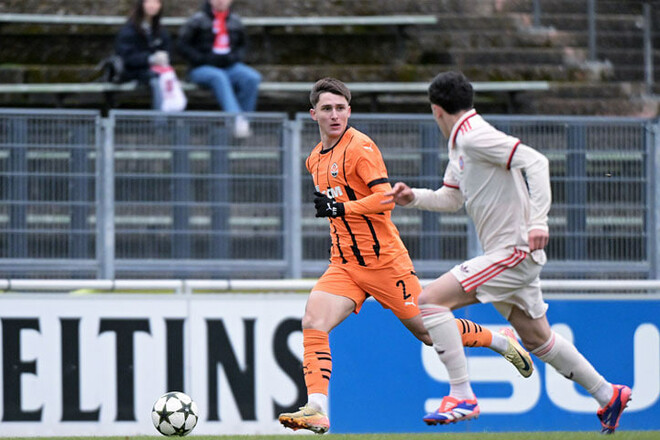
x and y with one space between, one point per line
310 322
532 342
425 338
317 321
424 298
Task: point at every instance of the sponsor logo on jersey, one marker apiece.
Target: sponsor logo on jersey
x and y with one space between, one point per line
335 192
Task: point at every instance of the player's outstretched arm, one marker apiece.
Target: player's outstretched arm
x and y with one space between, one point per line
401 194
372 204
444 199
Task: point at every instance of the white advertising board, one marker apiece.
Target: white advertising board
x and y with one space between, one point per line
95 365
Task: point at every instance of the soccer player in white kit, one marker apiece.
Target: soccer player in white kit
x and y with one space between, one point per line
505 187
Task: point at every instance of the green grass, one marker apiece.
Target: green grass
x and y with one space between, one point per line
620 435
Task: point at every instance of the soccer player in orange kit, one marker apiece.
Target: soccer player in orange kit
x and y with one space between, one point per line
368 257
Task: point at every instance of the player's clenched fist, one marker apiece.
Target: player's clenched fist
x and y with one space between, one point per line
327 207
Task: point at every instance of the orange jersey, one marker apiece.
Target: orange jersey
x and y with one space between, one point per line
350 172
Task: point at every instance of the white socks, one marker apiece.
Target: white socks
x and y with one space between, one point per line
500 343
447 342
570 363
318 401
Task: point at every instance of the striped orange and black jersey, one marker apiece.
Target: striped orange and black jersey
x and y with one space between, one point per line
353 172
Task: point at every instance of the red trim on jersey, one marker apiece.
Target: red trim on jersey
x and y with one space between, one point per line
513 151
493 270
462 129
450 185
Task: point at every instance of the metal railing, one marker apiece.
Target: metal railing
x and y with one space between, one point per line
143 194
605 288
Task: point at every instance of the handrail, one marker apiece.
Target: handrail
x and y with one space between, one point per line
277 86
274 285
368 20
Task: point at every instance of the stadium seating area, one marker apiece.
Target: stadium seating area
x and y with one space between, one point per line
489 40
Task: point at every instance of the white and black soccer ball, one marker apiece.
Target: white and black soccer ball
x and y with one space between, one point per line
174 414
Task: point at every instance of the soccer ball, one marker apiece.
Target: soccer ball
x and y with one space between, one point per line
174 414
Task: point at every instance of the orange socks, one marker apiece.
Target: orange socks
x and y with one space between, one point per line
317 361
473 334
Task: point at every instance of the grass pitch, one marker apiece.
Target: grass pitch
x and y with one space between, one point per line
623 435
620 435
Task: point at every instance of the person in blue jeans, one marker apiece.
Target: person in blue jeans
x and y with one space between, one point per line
213 42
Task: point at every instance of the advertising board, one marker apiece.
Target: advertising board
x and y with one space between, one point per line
95 364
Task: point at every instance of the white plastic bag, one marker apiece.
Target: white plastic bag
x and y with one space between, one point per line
173 98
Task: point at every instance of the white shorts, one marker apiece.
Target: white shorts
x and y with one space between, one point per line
506 278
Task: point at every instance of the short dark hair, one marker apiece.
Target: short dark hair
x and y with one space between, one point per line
452 91
328 85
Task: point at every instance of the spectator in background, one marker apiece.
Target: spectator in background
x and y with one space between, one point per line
213 41
142 44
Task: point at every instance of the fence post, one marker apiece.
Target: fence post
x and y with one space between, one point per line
654 199
105 199
536 13
591 18
430 242
220 194
18 193
576 193
79 193
292 199
181 192
648 48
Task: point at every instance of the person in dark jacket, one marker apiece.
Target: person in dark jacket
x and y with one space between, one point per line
213 41
143 44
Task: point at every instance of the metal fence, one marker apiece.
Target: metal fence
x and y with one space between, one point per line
189 195
144 195
48 177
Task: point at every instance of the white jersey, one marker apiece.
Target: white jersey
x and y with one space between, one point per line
487 167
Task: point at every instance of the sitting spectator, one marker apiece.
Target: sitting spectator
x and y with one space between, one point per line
143 44
213 41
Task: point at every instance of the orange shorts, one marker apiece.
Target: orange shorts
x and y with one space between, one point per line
394 285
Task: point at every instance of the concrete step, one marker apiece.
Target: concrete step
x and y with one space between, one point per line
612 23
38 73
626 56
572 6
595 90
255 8
621 40
306 7
518 38
633 73
595 107
532 56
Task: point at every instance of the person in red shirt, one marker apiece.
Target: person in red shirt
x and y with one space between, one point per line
214 43
368 257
